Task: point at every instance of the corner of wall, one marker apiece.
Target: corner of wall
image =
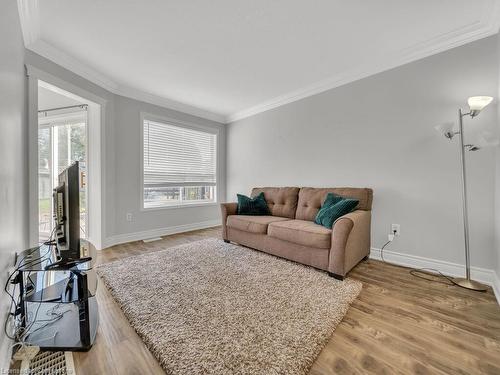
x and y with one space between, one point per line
497 182
13 151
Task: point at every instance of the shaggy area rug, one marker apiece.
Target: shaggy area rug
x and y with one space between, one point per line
210 307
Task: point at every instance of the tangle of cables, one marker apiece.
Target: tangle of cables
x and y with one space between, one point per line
16 326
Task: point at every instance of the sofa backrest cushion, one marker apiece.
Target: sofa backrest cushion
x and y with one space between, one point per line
311 199
282 201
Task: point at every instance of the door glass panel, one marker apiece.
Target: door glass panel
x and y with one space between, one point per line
44 183
59 145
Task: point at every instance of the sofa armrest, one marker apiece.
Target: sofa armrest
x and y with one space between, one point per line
226 210
350 241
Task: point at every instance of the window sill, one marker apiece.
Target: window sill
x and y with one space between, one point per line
178 206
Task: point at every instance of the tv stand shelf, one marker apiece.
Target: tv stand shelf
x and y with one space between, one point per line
62 296
63 291
38 258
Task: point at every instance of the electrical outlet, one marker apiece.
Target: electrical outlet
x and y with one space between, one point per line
396 229
129 216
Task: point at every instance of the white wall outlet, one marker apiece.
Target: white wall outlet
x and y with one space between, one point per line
129 216
396 229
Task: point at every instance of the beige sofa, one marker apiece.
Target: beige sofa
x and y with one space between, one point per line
290 231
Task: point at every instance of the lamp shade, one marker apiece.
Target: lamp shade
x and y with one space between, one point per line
477 103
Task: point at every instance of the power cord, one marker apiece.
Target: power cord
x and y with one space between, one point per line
20 333
418 272
391 237
382 250
415 272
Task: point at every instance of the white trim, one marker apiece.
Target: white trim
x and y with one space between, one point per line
29 17
61 86
161 101
177 206
96 175
469 33
152 233
185 124
62 118
487 26
50 52
57 56
33 225
496 286
96 165
145 116
483 275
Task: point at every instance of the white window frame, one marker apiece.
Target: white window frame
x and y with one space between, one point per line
187 125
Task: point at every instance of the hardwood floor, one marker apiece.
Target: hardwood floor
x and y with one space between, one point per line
398 324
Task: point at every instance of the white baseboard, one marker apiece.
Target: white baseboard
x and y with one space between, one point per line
144 235
496 286
484 275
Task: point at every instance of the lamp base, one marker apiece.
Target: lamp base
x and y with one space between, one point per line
470 284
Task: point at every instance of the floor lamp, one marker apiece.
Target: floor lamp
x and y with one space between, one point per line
476 104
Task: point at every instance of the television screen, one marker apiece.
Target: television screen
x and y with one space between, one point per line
66 199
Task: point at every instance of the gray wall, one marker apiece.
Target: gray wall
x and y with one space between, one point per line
13 150
122 159
64 74
379 132
497 177
128 158
121 155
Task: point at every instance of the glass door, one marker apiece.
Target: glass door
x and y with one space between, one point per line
62 140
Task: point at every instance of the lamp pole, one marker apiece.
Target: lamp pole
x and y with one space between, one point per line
467 282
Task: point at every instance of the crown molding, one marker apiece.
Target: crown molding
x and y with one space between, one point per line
29 17
487 26
161 101
68 62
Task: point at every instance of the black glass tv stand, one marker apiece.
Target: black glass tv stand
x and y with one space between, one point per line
58 306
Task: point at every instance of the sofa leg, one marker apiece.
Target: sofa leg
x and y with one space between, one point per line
335 276
226 241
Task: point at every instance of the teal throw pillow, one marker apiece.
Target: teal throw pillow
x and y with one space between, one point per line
252 206
331 199
327 214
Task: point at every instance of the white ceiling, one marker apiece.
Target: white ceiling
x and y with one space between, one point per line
48 99
227 59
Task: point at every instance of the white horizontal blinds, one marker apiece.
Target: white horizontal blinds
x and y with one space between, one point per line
178 156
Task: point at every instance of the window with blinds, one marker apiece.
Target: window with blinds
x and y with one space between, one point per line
179 165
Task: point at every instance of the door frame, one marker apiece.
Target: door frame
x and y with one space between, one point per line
95 156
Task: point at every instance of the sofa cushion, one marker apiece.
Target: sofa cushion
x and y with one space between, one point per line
302 232
253 224
311 199
282 201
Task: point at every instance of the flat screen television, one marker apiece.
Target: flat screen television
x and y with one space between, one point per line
66 200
